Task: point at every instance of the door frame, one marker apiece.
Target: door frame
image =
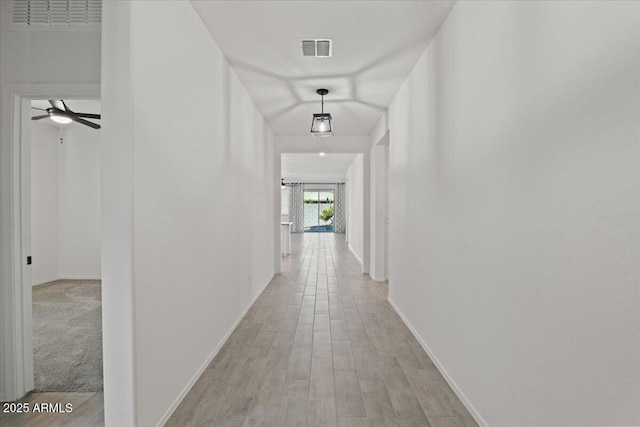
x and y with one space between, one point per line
16 336
379 213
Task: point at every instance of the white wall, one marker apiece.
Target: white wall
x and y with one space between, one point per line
285 194
516 188
378 209
45 244
118 309
79 204
308 144
65 204
47 56
202 225
355 207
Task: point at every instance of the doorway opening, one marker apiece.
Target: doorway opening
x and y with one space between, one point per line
318 210
18 284
314 193
65 247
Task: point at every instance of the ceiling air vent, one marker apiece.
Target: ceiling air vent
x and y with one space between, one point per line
64 15
320 48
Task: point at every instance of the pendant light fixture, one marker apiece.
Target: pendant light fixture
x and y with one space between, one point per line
321 124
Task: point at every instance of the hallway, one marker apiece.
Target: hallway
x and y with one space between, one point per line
320 347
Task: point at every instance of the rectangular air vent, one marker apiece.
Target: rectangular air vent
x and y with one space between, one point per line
308 48
47 15
320 48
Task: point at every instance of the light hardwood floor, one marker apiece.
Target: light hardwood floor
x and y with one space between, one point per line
87 411
321 347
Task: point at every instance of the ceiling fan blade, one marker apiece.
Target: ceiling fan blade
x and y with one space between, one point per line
88 116
40 117
86 122
56 103
36 108
65 107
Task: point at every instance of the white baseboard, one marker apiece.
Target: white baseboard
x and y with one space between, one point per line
465 401
355 254
81 278
165 417
42 282
378 279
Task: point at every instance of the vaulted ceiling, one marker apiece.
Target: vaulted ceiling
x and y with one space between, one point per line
375 46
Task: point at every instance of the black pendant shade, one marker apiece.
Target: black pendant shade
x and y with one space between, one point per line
321 124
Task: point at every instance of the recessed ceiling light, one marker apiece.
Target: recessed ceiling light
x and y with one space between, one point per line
322 154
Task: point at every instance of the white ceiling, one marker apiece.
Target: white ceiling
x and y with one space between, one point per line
375 46
311 167
91 106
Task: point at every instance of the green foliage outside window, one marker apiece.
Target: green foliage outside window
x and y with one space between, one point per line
326 214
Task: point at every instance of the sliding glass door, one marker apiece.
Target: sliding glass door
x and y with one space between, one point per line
318 210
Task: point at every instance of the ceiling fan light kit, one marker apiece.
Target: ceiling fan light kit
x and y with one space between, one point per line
321 123
60 117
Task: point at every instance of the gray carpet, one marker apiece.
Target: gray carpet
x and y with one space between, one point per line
67 336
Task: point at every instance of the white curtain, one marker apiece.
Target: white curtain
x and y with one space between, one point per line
296 208
338 214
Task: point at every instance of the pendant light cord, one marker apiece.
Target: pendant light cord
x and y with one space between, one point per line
322 109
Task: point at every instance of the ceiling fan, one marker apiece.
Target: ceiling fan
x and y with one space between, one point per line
60 113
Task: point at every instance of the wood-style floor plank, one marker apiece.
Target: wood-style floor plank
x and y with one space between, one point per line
322 413
321 382
349 403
